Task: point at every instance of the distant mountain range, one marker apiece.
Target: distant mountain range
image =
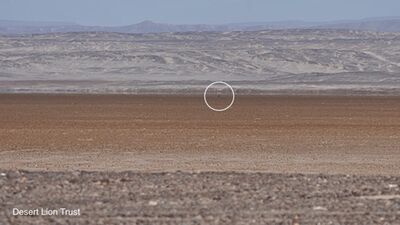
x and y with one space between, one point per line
389 24
273 61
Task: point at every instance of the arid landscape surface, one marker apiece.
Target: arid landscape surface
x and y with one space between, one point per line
313 136
297 61
267 160
345 135
108 111
201 198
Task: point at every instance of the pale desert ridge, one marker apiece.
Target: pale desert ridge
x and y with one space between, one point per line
297 61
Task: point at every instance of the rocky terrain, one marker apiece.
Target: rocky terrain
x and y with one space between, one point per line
200 198
260 60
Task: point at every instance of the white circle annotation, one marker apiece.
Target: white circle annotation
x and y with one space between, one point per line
226 108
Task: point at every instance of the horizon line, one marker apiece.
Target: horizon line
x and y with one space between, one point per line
216 24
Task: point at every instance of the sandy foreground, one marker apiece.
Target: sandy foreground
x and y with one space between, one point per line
281 134
124 159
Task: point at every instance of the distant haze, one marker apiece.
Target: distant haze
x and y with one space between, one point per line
9 27
126 12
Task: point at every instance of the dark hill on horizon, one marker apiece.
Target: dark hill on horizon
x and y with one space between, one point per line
7 27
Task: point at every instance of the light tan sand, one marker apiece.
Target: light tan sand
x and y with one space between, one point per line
351 135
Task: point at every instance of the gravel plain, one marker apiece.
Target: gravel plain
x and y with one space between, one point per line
200 198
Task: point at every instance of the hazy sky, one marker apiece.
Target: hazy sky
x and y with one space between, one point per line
124 12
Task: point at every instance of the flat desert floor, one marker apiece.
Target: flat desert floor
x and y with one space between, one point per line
267 160
279 134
